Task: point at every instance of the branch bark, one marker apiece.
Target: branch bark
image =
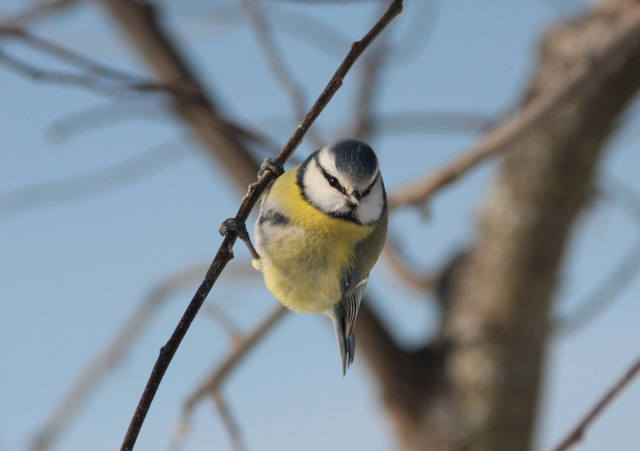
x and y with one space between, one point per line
111 357
225 253
139 21
497 323
213 382
541 103
581 428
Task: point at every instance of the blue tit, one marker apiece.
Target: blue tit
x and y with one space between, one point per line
320 230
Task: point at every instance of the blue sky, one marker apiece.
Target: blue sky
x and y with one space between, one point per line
72 272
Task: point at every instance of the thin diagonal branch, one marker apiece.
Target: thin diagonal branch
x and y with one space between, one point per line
384 357
302 26
276 62
213 382
225 252
430 122
92 183
371 72
40 10
602 296
95 75
67 55
517 126
66 127
107 361
578 432
405 270
220 317
419 32
500 307
139 21
624 272
82 80
405 122
229 422
625 196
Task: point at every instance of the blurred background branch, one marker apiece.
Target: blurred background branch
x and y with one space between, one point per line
471 378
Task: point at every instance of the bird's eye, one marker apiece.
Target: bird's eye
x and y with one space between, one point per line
334 182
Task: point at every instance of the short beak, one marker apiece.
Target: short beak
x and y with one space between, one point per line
354 198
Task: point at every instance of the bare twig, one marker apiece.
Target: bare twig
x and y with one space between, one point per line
84 81
430 122
618 279
277 64
419 32
602 296
225 253
517 126
404 270
213 382
267 144
299 25
385 358
40 10
316 32
371 72
96 76
363 127
220 317
91 183
419 122
500 307
180 433
200 112
101 115
68 126
229 422
625 196
67 55
578 432
112 355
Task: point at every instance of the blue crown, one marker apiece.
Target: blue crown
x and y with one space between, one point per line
354 158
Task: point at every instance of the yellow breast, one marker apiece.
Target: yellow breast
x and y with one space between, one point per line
303 265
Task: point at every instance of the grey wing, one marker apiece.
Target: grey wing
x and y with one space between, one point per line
344 315
355 286
354 283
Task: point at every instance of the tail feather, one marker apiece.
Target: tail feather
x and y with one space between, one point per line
347 344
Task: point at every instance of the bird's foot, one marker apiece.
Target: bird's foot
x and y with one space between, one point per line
272 165
233 225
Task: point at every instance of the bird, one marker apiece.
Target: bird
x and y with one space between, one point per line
320 229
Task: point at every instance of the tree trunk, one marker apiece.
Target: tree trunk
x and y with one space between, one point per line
483 395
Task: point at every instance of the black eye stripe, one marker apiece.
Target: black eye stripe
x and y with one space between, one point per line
370 187
330 179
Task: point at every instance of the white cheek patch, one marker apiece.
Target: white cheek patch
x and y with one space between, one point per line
320 193
328 163
371 206
327 160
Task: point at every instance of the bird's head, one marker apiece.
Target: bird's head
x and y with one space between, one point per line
343 180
